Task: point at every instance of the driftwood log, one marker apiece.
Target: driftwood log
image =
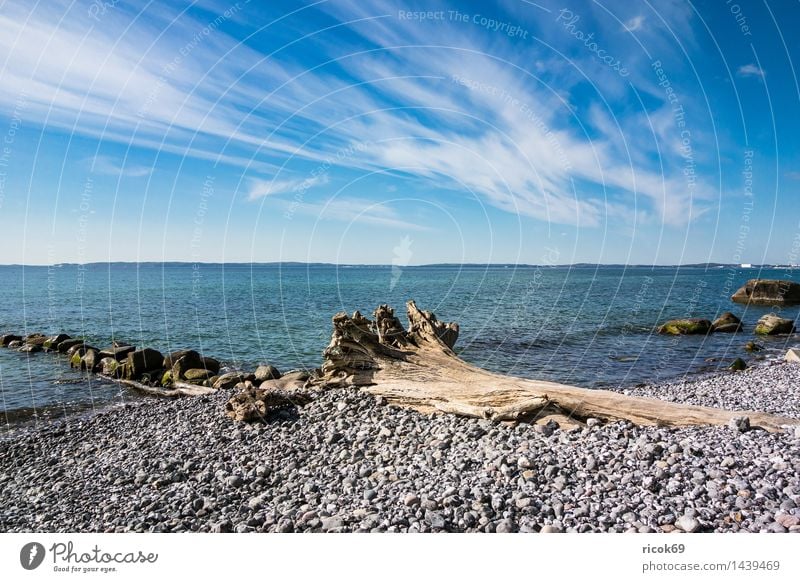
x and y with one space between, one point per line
177 389
417 368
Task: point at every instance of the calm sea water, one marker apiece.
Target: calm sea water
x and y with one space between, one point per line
589 326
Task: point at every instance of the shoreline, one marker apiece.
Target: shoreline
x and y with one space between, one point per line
349 462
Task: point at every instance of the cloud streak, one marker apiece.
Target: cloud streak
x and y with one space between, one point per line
262 188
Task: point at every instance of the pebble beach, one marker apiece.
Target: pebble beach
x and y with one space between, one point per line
349 462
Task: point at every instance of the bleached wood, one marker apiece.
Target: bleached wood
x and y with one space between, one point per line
417 368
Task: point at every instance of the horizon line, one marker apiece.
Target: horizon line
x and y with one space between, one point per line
440 264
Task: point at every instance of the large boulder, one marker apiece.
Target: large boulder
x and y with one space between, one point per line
15 344
117 352
768 292
231 379
35 339
727 323
267 372
141 362
210 364
197 375
78 347
191 357
64 346
110 367
691 326
90 360
772 324
10 337
51 344
30 348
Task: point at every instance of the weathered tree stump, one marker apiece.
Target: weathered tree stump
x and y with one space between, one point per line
417 368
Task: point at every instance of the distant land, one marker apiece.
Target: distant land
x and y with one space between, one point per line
296 264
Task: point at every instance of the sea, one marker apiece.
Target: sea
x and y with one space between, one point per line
585 325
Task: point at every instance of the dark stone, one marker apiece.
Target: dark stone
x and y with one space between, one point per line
210 364
119 353
752 347
768 292
739 423
142 361
79 347
52 343
30 348
68 343
10 337
727 323
191 355
15 344
738 365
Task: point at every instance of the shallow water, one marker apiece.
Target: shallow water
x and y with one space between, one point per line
589 326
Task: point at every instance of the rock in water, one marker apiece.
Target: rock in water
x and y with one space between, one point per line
119 353
768 292
727 323
30 348
10 337
141 362
51 344
110 367
267 372
691 326
753 347
64 346
193 359
738 365
90 360
35 339
771 324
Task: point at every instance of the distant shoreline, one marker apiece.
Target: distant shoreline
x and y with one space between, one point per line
753 267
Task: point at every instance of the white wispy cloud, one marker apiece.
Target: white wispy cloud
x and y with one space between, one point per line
513 140
260 188
109 166
354 210
751 70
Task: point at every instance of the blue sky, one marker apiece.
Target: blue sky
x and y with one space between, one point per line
380 131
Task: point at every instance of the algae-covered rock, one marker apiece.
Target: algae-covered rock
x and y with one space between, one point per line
772 324
689 326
